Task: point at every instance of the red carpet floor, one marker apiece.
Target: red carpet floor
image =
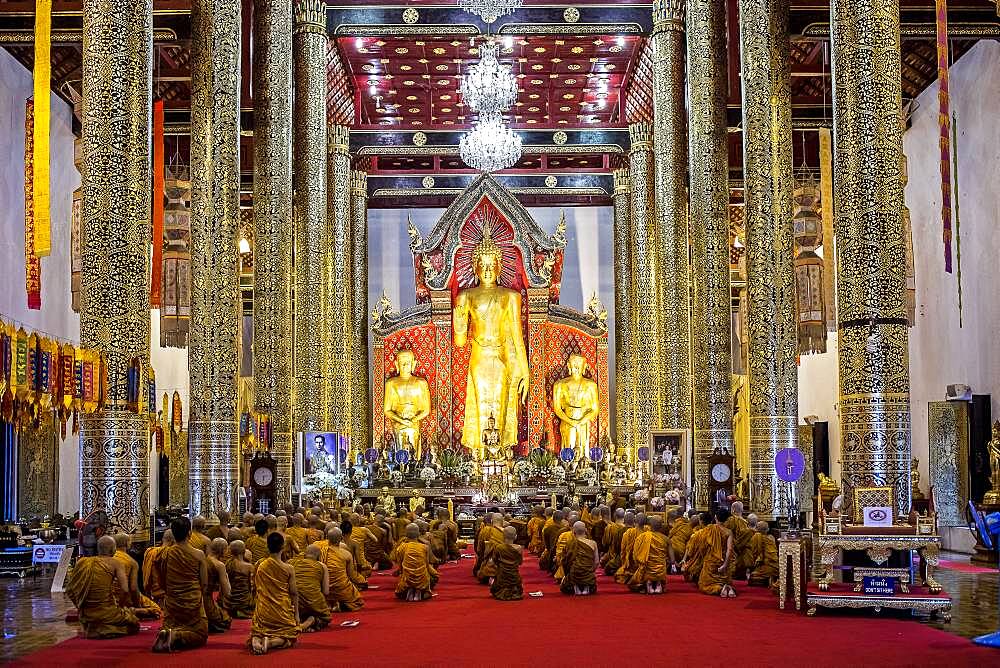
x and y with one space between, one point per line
463 626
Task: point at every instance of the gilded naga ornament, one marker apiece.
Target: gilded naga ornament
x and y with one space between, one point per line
487 317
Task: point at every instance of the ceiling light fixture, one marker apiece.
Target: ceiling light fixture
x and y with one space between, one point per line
490 146
489 10
489 87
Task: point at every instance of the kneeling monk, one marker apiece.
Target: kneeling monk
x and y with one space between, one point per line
239 603
719 560
507 557
413 559
91 587
313 581
275 616
184 574
579 559
649 554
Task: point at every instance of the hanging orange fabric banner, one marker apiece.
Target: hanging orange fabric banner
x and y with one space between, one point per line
42 240
32 265
156 279
944 124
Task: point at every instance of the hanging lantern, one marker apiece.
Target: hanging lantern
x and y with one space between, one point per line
176 416
807 226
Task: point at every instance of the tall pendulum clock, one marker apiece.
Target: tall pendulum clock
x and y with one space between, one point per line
263 492
721 465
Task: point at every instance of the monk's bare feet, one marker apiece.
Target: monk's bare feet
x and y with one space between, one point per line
162 643
257 645
308 624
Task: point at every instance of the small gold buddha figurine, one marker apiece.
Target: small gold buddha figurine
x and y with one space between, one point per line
992 497
407 402
574 401
491 439
828 489
915 492
416 501
387 502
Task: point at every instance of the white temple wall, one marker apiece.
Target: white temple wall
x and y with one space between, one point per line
56 317
941 352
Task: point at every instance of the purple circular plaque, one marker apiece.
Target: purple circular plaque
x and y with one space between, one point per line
567 454
789 464
596 454
371 455
643 454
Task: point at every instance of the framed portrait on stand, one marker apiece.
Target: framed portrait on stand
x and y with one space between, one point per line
669 465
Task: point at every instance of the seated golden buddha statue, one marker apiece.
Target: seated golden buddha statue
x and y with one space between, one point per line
574 401
407 402
487 318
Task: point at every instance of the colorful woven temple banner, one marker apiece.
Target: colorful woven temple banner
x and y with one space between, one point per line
944 125
42 243
32 265
155 283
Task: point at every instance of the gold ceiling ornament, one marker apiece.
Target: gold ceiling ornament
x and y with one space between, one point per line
411 15
551 181
571 15
419 139
428 182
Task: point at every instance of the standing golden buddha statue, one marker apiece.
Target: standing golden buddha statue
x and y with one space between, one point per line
407 402
488 318
574 401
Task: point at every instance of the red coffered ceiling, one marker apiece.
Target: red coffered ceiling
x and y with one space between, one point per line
563 81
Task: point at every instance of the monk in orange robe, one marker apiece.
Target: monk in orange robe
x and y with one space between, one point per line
184 573
198 539
719 558
579 559
343 594
507 584
239 603
445 523
151 582
142 606
355 537
416 575
650 554
550 536
313 581
257 541
491 538
742 535
296 532
217 583
560 548
765 556
535 524
625 570
275 622
91 587
612 544
375 548
694 553
679 534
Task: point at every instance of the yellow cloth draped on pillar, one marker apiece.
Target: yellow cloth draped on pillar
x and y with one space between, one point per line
507 584
710 580
415 569
91 587
344 595
309 583
650 555
183 610
272 615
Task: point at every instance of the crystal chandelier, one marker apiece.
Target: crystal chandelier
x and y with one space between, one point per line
489 87
490 146
490 10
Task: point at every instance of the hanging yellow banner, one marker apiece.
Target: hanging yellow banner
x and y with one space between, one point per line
43 81
826 209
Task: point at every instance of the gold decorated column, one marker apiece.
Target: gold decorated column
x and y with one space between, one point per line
338 322
114 315
309 185
670 140
711 363
624 379
642 344
272 216
361 408
213 341
771 315
871 250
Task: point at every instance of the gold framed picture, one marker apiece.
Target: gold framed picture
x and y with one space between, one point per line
668 462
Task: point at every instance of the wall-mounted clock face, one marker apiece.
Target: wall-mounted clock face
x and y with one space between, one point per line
263 476
721 472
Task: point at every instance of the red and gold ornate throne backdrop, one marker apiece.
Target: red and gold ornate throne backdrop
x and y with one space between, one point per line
443 266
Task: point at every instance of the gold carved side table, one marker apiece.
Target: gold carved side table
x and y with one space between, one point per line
792 552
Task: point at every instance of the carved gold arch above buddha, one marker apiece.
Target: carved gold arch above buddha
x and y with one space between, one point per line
531 264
